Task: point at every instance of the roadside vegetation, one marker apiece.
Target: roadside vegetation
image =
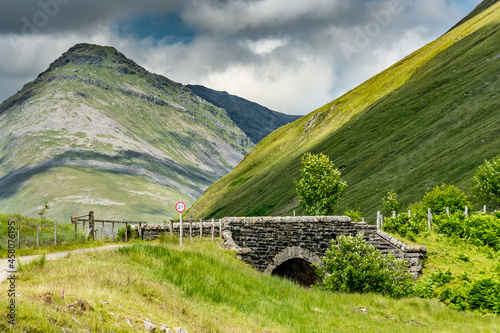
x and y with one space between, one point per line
203 288
65 236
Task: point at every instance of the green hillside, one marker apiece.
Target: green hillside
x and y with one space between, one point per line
96 131
255 120
430 118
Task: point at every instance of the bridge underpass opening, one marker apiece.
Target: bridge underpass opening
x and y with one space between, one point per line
297 270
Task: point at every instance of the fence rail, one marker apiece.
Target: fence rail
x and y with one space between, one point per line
430 213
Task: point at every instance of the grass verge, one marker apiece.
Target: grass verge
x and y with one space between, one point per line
205 289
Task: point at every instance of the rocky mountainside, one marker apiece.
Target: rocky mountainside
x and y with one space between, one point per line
255 120
431 118
96 131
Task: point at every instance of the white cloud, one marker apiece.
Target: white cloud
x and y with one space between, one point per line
265 46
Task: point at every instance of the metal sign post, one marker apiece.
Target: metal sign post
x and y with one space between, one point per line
180 207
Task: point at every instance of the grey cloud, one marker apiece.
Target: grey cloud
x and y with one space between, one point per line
47 16
305 68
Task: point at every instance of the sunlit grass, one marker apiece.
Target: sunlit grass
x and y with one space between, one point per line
205 289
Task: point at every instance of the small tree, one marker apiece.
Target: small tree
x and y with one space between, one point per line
321 186
390 202
440 197
351 264
487 182
43 211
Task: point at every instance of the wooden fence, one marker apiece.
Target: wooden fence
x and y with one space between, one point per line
380 217
93 224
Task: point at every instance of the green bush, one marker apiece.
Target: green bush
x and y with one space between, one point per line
405 226
320 187
355 215
487 182
479 229
351 264
390 202
426 288
484 295
440 197
131 233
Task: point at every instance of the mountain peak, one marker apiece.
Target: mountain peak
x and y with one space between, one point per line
95 55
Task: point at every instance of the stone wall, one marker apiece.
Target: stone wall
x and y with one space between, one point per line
266 242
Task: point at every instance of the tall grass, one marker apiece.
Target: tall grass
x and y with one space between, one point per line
205 289
28 235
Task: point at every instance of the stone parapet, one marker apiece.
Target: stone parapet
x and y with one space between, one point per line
262 241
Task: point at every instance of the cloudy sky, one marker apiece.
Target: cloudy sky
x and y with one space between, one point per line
289 55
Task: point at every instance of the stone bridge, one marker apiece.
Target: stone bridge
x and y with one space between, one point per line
286 246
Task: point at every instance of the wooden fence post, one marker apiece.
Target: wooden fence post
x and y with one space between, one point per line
201 229
448 211
191 230
393 214
213 229
55 233
220 228
466 212
429 218
126 232
38 234
76 225
102 230
171 227
91 224
409 213
378 220
140 230
484 209
113 230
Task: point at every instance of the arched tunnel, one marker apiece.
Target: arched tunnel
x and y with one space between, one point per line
297 270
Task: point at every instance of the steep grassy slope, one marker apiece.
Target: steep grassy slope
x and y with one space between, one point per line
255 120
205 289
430 118
96 131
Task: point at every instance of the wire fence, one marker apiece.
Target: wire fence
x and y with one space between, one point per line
39 235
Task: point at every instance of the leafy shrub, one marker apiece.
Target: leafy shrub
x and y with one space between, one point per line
405 226
487 182
321 186
439 198
131 233
479 229
355 215
390 202
426 288
351 264
484 295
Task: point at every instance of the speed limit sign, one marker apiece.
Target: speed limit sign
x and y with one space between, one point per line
180 207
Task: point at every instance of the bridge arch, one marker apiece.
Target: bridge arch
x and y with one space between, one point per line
294 263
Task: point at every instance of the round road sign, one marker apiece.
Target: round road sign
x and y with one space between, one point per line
180 207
